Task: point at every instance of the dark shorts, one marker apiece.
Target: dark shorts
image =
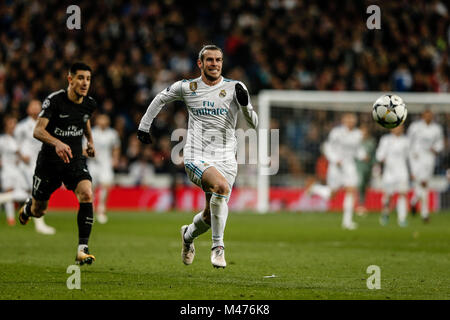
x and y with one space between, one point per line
49 175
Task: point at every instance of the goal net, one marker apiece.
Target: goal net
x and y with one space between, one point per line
304 119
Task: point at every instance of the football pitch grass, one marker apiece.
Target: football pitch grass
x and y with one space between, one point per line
306 255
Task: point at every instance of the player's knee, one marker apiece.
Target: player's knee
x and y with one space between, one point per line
85 195
221 188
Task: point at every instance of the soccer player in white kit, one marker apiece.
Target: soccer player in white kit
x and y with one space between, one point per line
341 149
29 148
213 103
10 158
107 145
393 152
426 140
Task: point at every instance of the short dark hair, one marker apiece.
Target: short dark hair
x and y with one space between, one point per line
79 66
208 47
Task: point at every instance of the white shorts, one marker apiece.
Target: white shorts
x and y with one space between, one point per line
343 176
422 168
101 174
195 169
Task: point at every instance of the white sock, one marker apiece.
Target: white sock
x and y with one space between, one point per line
102 201
385 201
219 215
9 208
196 228
39 222
82 246
424 212
321 190
401 209
348 208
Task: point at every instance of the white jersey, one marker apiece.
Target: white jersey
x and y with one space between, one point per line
425 138
28 145
393 151
213 114
8 151
343 145
10 175
105 141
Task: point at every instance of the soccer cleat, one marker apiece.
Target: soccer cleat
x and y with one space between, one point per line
187 249
350 226
83 256
426 220
241 94
45 229
23 217
11 221
218 257
384 219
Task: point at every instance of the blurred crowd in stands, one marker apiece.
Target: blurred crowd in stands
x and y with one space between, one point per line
138 48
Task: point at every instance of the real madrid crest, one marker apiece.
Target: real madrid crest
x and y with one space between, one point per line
193 86
222 93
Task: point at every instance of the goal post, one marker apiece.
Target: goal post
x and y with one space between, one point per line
339 101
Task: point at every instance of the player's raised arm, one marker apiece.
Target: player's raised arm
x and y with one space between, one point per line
243 99
382 150
438 144
171 93
40 133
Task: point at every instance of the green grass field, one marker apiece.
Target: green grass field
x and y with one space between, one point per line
138 257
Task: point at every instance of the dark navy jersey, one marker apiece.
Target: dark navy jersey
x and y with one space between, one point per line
67 122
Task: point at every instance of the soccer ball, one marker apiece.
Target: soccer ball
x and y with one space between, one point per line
389 111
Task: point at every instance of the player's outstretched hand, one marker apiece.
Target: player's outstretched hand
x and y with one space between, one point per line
64 152
90 150
241 94
144 137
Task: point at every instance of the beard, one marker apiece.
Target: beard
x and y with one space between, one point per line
211 77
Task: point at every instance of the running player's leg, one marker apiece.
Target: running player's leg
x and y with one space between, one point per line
85 220
9 209
348 206
215 183
46 179
385 211
424 207
8 183
402 210
200 224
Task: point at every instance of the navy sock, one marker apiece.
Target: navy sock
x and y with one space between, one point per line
85 220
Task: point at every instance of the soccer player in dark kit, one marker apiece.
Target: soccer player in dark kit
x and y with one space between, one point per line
64 119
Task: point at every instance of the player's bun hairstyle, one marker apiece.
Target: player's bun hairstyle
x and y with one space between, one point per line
79 66
208 47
